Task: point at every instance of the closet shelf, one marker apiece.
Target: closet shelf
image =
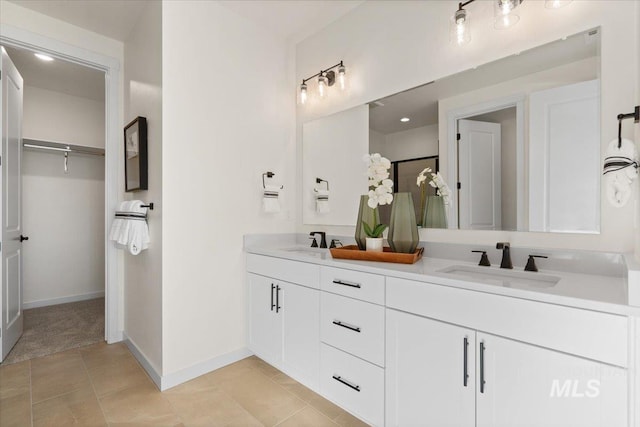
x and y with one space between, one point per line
36 144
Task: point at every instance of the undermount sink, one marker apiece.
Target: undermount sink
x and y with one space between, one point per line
313 252
504 277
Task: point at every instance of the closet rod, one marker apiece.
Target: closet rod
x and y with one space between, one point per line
59 146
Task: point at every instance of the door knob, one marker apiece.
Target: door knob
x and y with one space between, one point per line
23 238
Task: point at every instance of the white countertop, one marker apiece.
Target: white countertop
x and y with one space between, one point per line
589 291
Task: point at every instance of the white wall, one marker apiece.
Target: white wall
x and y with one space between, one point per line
62 210
143 272
637 135
228 108
412 143
55 116
381 63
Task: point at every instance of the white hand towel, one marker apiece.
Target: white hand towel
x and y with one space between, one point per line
620 170
322 201
139 233
270 199
118 226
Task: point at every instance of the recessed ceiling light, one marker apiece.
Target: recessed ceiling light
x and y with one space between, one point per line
43 57
405 119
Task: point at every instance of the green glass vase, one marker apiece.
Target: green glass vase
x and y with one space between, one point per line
368 215
403 231
435 215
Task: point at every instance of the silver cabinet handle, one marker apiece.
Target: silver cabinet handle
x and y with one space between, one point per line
345 283
347 383
346 326
465 370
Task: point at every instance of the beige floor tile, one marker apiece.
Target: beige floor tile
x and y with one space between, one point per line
117 373
230 372
14 379
58 374
198 404
294 387
263 398
15 411
308 417
326 407
345 419
262 366
139 405
80 407
103 353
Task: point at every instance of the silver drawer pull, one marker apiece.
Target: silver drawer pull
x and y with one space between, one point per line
347 383
344 325
345 283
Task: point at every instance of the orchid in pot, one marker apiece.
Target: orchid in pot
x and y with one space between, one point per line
432 208
380 193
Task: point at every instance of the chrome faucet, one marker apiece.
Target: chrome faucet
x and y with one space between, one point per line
506 254
323 238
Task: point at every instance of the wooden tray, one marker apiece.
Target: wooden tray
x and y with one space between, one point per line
352 252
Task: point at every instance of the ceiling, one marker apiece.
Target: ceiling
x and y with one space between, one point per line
58 75
421 104
112 18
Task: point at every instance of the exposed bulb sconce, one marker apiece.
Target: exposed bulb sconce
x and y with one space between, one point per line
326 79
504 17
556 4
460 25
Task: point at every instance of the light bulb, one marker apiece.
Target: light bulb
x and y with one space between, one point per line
503 13
303 93
322 85
342 79
460 30
556 4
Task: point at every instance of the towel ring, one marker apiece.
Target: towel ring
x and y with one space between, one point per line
269 175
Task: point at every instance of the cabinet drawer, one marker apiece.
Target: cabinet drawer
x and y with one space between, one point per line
301 273
354 284
356 327
590 334
353 384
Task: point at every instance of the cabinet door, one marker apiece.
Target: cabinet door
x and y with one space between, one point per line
425 372
265 327
527 385
301 332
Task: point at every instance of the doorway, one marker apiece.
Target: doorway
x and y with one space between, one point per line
110 69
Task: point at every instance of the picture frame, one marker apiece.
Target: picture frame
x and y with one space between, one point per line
135 155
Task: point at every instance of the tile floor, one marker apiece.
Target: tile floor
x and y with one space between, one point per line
104 385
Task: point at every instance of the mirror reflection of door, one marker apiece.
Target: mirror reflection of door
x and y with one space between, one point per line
404 174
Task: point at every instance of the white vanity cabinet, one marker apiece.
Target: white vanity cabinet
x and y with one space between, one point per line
510 382
284 317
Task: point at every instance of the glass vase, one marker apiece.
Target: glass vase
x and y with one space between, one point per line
435 215
368 215
403 231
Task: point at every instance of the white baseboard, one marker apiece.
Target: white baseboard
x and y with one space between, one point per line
176 378
61 300
142 359
184 375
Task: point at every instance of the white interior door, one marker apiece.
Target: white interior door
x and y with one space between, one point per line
564 158
11 216
479 175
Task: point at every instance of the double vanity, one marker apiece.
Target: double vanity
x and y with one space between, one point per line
445 342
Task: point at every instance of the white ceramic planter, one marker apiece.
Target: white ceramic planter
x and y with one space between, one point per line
374 244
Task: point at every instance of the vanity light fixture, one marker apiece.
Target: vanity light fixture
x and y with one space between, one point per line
43 57
326 78
504 17
556 4
460 25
